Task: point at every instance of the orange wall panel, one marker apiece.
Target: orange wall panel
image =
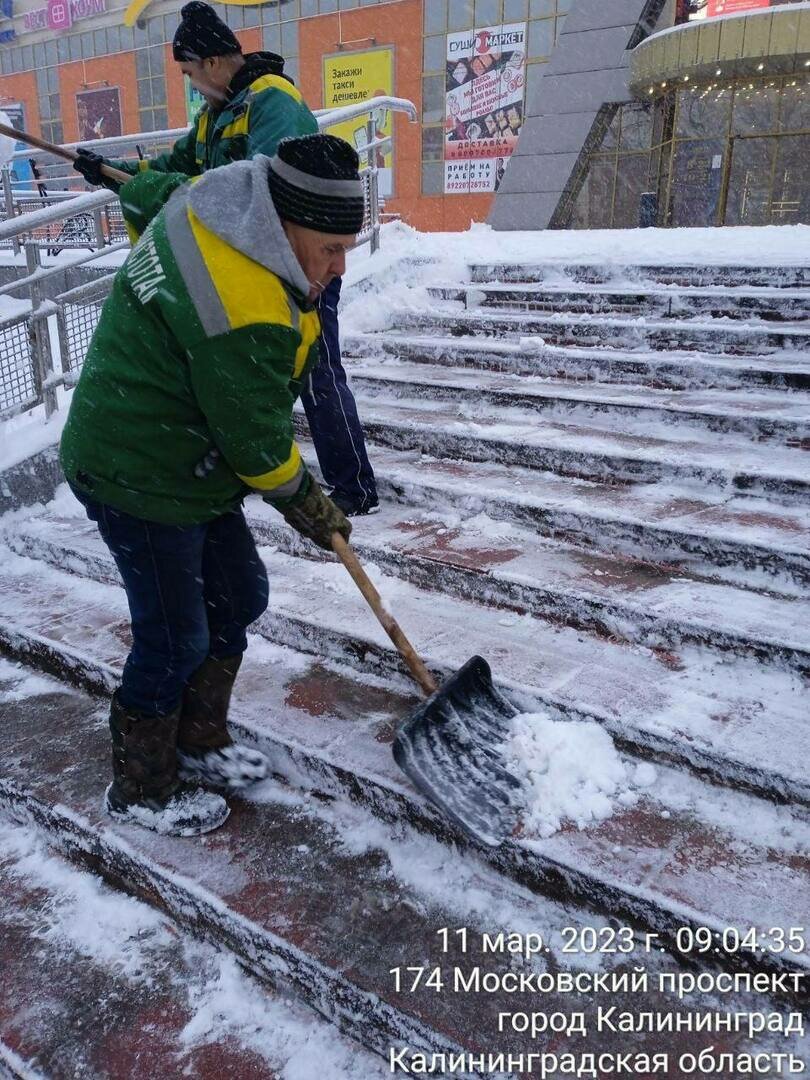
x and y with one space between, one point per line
118 70
22 87
175 92
398 24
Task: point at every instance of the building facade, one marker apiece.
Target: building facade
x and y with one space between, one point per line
532 113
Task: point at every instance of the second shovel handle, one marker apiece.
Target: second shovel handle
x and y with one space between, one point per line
60 151
366 586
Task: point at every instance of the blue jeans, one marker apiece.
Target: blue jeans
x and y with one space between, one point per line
192 592
332 414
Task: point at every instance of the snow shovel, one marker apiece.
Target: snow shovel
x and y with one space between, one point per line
449 746
60 151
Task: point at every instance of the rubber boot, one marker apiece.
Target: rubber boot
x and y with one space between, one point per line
206 753
146 789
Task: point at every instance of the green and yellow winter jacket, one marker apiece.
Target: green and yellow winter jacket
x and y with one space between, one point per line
202 346
262 109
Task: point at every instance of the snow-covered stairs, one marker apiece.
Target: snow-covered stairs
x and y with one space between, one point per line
315 611
532 355
771 304
299 890
616 517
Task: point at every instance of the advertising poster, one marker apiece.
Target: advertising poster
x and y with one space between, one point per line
486 77
99 113
358 76
730 7
194 100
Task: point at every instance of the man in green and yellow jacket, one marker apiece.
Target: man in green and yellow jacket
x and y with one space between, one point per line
251 106
183 407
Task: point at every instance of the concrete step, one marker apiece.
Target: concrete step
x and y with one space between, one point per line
322 902
769 304
725 337
750 542
534 357
702 276
600 450
778 415
98 984
508 567
734 719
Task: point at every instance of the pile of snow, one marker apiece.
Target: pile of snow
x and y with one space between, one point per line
571 772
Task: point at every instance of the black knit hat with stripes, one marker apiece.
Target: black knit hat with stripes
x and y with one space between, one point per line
314 182
202 33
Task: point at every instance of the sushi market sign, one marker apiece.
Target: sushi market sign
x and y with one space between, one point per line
485 79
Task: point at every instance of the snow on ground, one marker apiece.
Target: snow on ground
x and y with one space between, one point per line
409 261
18 682
25 435
12 1066
129 938
457 883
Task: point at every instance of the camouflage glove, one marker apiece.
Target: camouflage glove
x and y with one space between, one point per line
316 517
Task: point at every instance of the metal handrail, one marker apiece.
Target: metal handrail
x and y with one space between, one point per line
49 271
49 215
142 138
325 117
349 112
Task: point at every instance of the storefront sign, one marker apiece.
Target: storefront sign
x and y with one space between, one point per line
358 76
61 14
99 113
137 7
6 15
729 7
486 75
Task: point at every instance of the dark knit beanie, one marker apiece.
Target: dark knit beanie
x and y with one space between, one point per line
314 182
202 33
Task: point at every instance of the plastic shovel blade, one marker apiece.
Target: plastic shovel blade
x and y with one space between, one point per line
449 748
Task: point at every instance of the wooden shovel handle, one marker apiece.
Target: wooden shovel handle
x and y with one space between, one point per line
387 620
60 151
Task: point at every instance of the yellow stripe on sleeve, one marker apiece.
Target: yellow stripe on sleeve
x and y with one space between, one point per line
277 477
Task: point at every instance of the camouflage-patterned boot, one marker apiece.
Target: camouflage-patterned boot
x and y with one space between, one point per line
206 753
146 789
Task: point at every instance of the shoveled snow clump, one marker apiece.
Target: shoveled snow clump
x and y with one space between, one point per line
571 772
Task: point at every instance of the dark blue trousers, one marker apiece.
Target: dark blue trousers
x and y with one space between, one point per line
192 591
332 414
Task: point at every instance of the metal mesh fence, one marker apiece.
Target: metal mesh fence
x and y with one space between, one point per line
79 312
18 382
78 324
113 223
